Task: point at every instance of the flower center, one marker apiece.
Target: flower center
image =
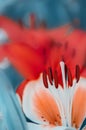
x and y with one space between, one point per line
66 73
62 94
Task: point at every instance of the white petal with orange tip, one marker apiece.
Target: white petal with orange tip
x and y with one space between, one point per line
79 104
39 105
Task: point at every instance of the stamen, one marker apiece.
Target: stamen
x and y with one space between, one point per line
77 73
45 79
50 75
63 73
70 81
56 79
65 106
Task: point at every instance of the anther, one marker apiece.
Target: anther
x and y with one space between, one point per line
50 75
70 81
56 79
77 73
45 79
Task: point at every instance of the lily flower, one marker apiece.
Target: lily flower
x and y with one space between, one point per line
42 52
52 106
64 42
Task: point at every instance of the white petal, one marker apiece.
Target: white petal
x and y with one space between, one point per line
39 104
27 103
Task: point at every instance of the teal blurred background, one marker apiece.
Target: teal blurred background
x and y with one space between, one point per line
54 12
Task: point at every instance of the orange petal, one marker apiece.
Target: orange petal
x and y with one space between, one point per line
79 104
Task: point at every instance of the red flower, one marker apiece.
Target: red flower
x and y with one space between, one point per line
34 50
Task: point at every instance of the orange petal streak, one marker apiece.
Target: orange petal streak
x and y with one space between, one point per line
46 108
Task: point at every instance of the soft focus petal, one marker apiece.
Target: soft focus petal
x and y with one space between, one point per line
59 34
39 105
10 112
71 49
12 29
24 59
76 44
34 38
79 104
